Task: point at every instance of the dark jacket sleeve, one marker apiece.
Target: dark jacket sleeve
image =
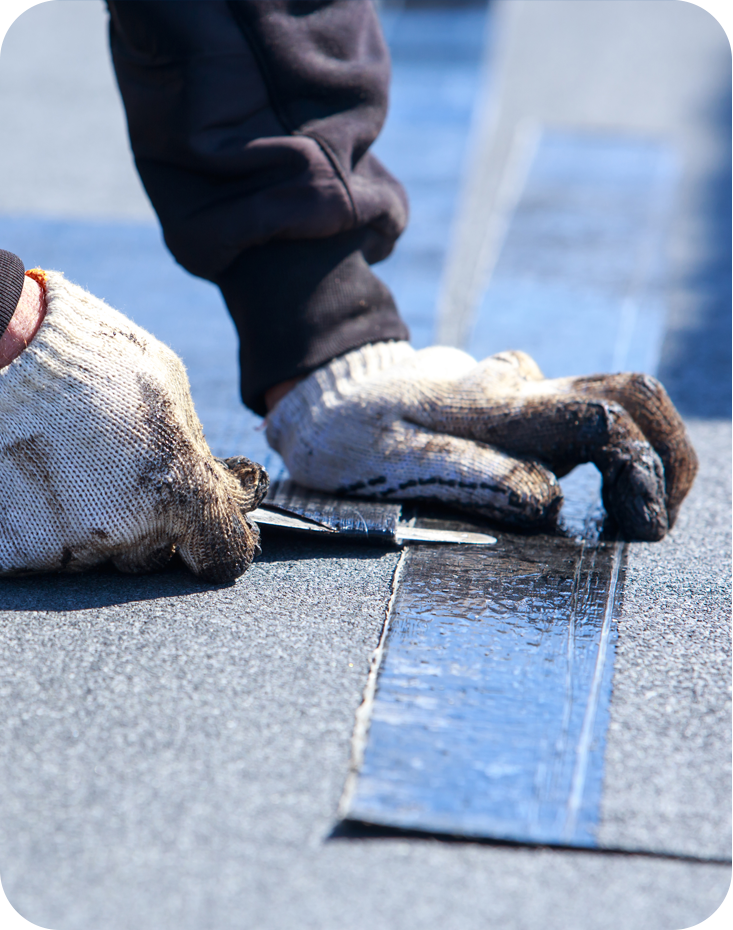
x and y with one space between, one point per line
250 122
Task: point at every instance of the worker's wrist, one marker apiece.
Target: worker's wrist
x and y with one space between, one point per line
297 304
25 322
278 391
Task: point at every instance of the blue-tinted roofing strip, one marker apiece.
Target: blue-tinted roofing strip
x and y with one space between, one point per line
578 281
492 700
436 66
480 725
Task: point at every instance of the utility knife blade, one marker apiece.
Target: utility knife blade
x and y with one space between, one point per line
403 533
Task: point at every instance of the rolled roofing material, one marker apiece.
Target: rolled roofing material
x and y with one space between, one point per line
489 713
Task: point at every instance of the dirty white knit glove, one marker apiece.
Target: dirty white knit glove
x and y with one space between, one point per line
386 421
102 455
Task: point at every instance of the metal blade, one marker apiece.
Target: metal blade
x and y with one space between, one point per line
407 533
287 521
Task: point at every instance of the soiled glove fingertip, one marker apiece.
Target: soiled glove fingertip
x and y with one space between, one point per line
222 547
647 527
252 477
537 508
634 495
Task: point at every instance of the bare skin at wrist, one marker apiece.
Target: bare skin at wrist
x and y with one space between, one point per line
25 322
278 391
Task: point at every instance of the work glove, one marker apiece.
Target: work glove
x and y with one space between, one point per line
388 422
102 456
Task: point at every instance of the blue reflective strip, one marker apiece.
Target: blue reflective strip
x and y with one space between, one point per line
577 284
436 63
492 697
492 700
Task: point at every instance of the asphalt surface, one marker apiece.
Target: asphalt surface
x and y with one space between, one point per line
174 753
667 782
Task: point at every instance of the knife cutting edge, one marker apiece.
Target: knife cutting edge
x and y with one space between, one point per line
402 533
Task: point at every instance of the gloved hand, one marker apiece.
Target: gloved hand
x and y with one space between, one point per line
102 455
389 422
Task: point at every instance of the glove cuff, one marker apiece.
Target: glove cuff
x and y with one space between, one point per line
12 277
328 384
299 303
